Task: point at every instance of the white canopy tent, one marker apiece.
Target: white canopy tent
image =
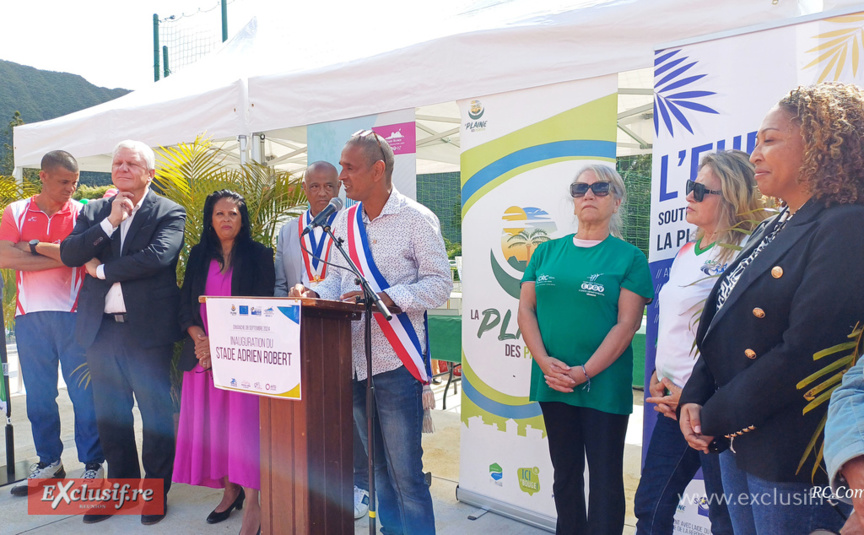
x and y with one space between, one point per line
309 65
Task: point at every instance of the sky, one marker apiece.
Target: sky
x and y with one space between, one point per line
108 42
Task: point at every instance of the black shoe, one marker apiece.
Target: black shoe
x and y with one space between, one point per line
149 520
90 518
215 518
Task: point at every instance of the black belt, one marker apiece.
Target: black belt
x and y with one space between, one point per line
118 318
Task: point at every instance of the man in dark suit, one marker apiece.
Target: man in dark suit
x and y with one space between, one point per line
127 314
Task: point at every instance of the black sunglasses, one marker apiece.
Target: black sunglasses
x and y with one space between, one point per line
367 133
699 190
579 189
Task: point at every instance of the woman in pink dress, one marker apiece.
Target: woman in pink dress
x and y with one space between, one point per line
218 437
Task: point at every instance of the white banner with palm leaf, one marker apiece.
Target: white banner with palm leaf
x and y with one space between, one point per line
712 95
520 151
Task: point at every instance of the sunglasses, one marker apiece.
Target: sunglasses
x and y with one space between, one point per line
366 133
579 189
699 190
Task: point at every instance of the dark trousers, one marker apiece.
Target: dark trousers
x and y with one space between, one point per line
121 369
575 433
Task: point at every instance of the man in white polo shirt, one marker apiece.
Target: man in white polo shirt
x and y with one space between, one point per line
30 234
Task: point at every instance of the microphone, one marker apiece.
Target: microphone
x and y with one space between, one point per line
321 219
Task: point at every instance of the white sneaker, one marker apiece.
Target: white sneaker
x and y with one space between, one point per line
361 503
93 471
40 470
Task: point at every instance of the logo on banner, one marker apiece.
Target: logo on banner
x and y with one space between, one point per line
103 496
523 230
401 137
496 474
702 509
837 45
529 480
475 112
674 93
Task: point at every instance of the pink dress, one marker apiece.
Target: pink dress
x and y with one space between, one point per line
218 434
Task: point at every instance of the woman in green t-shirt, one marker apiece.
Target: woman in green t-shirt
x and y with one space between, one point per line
581 302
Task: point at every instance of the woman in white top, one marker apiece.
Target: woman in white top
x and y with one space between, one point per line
723 202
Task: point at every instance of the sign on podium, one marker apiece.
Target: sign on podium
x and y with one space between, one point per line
255 345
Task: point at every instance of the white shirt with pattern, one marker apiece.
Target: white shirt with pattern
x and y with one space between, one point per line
406 244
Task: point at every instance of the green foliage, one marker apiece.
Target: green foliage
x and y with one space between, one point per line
819 388
11 191
188 173
90 192
454 249
30 95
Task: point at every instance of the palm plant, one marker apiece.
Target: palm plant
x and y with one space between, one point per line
10 191
847 355
188 173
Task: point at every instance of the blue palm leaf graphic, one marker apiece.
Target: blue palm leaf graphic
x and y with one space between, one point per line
683 82
695 106
691 94
664 57
672 75
678 115
674 93
666 119
660 70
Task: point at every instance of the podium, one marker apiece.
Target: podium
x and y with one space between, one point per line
306 446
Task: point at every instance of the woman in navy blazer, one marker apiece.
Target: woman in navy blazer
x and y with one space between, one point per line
217 439
794 291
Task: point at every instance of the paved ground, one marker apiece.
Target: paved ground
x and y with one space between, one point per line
189 505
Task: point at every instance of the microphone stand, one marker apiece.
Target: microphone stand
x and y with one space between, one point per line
370 298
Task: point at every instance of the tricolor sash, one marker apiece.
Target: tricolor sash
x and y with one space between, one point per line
399 332
316 270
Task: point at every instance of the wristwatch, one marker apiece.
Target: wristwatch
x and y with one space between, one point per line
33 244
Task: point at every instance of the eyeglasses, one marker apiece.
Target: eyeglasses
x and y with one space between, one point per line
367 133
579 189
699 190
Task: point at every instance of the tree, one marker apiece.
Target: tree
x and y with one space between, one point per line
7 155
188 173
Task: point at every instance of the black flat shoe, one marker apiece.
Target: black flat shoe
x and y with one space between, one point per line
90 518
215 518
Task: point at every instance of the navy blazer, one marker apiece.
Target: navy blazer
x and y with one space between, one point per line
802 294
254 274
146 269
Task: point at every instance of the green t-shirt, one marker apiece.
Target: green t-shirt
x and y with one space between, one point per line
577 304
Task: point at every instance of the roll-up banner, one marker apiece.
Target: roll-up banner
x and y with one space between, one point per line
520 151
712 95
326 140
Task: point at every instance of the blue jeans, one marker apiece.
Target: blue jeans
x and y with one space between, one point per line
773 508
669 466
44 340
404 501
361 461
